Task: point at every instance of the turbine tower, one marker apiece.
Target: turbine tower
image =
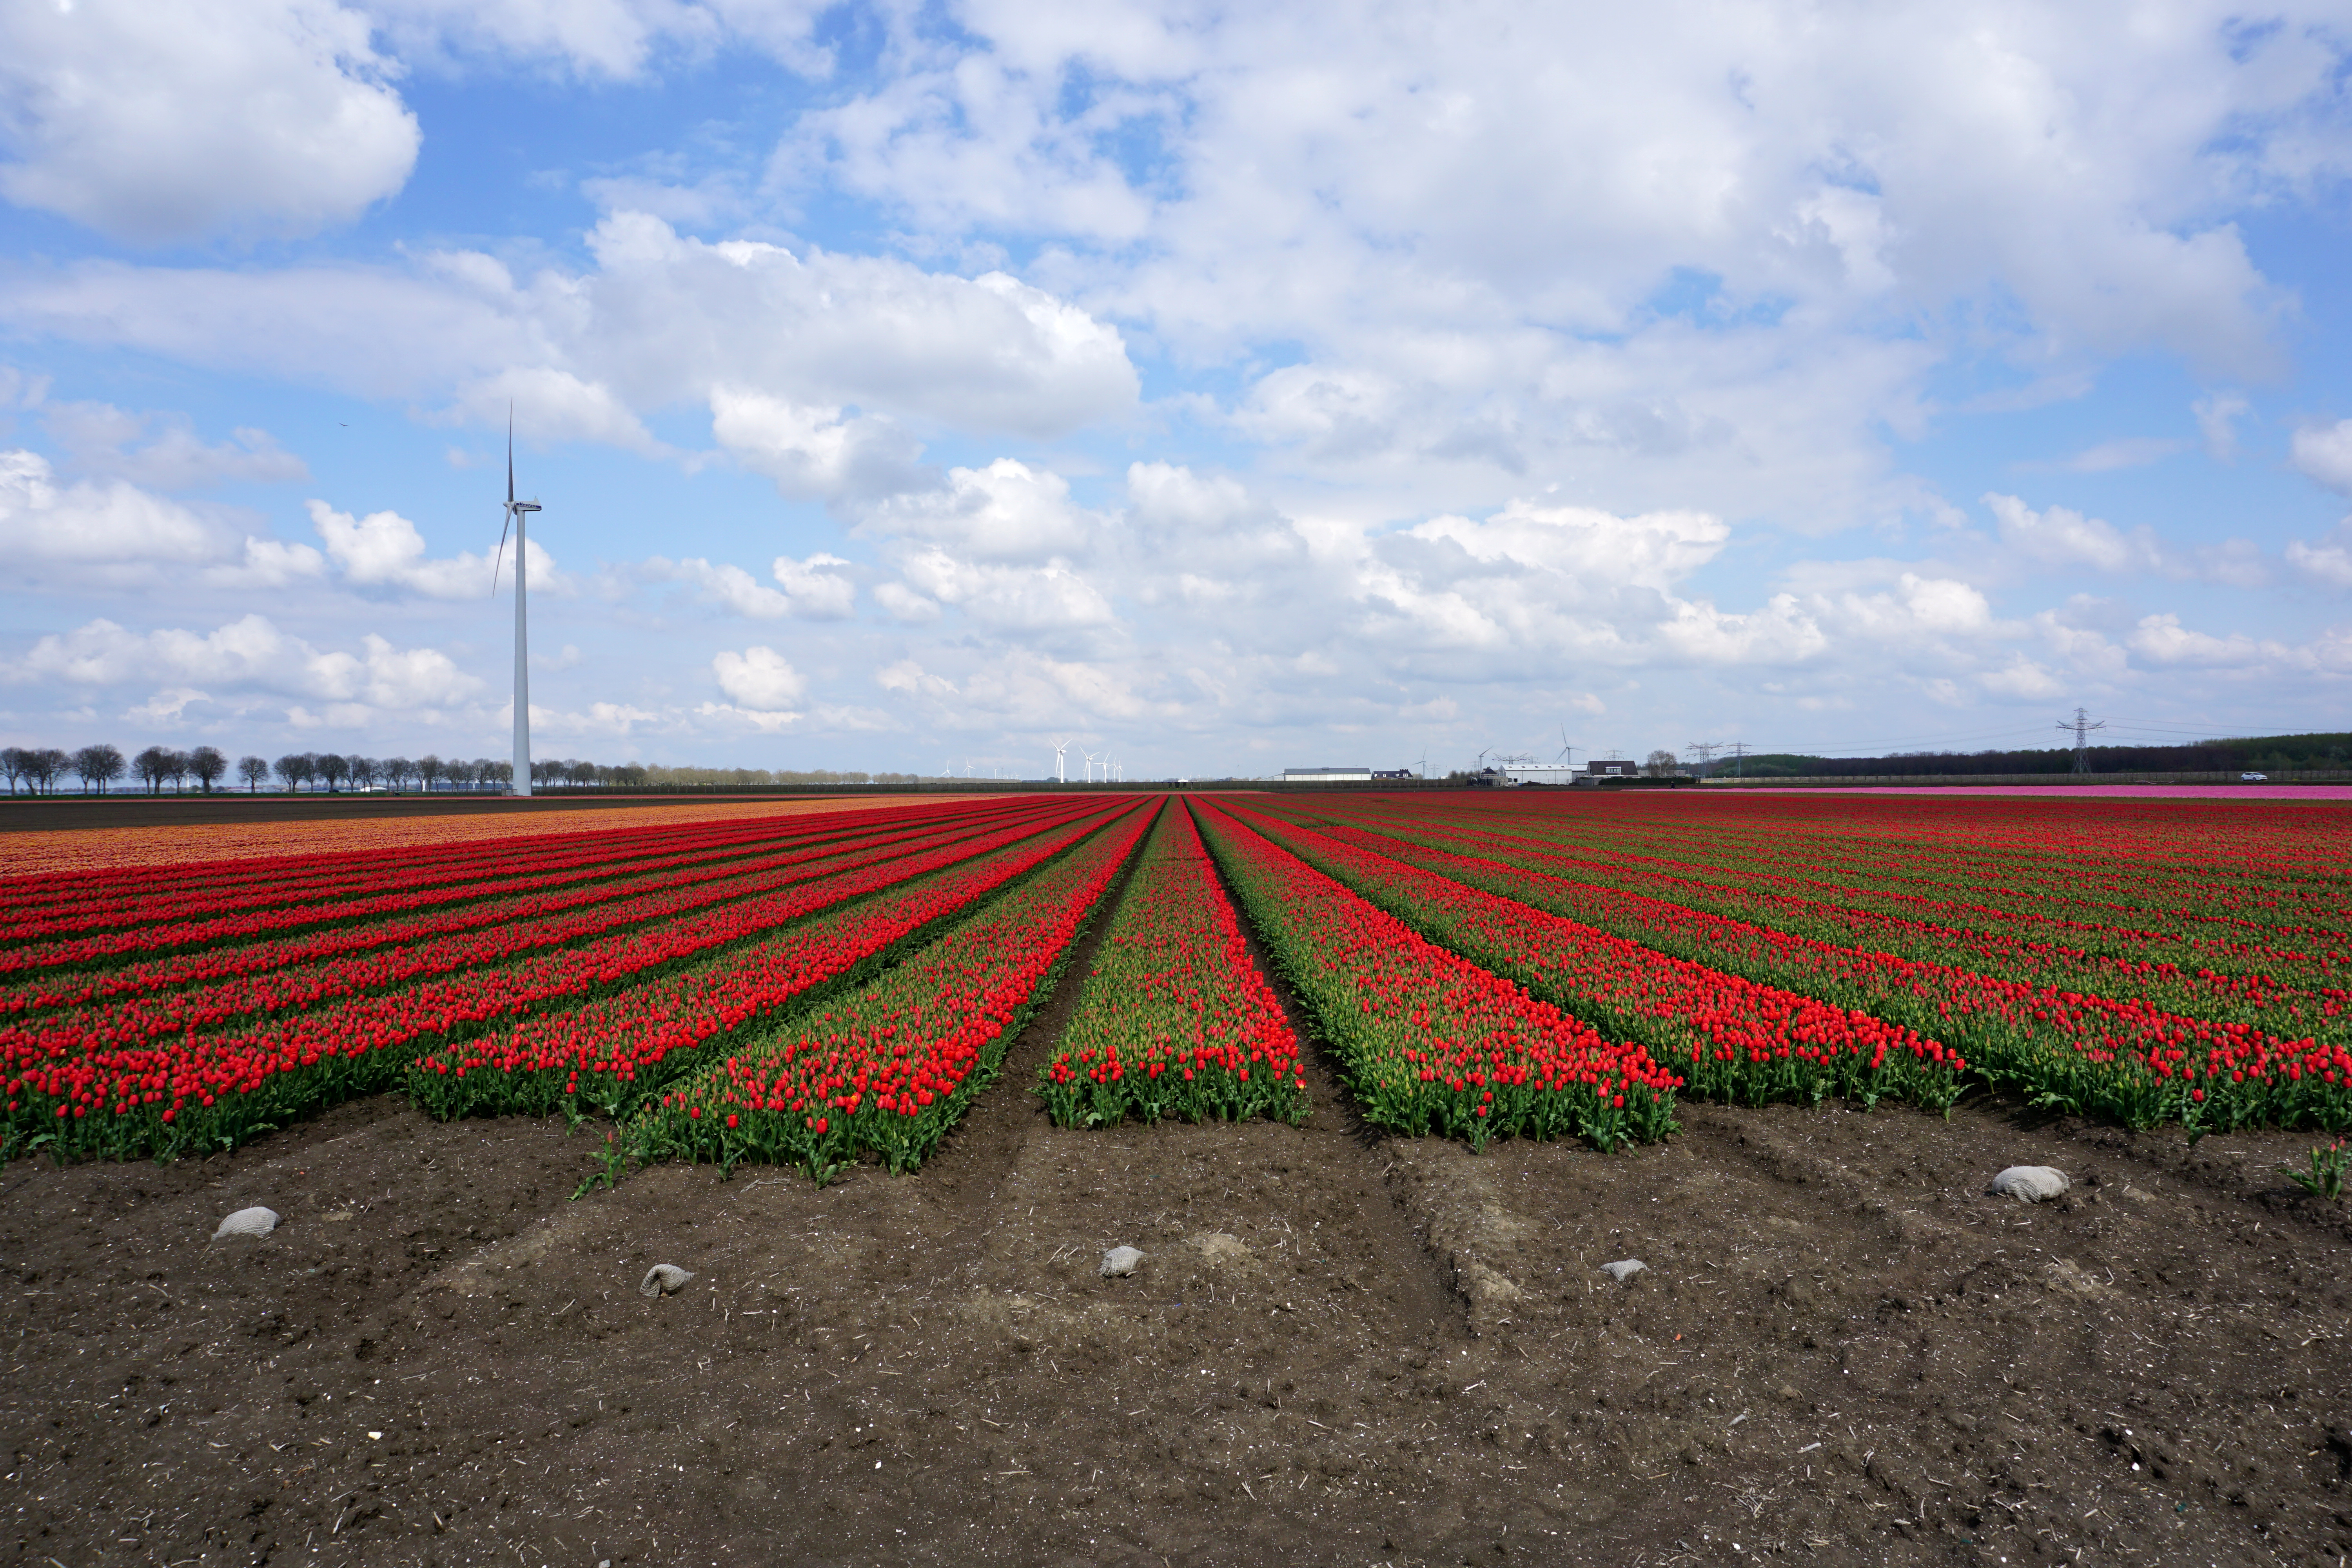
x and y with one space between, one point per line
1061 768
1090 765
516 511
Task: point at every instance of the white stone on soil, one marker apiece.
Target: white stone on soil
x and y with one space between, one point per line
248 1221
664 1280
1624 1270
1119 1262
2029 1184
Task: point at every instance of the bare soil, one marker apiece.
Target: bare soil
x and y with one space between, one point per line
1340 1348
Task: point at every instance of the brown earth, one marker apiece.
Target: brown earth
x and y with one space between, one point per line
1340 1348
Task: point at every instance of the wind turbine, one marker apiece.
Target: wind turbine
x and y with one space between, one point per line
1061 768
1567 752
516 511
1090 765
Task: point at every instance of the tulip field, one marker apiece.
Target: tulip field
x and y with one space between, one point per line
812 990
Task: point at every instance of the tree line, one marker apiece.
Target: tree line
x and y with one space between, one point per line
101 768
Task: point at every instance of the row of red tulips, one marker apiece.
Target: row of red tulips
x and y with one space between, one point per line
2059 892
206 988
2221 870
2122 1058
1727 1038
1428 1041
203 919
132 895
1174 1020
91 1096
292 987
1873 873
2277 990
253 941
890 1069
611 1054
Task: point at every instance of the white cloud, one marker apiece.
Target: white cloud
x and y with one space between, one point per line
1005 511
2325 453
2059 537
1651 551
99 436
615 39
731 588
2024 679
249 654
1051 597
153 121
2329 560
384 549
811 591
2217 422
93 524
550 404
910 677
1918 154
818 592
2163 640
812 452
268 564
903 604
726 716
659 320
115 534
759 678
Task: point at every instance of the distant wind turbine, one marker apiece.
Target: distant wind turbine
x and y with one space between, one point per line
1061 767
1090 765
516 511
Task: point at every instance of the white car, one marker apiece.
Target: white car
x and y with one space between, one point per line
2253 778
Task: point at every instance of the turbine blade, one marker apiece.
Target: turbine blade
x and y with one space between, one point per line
510 458
501 557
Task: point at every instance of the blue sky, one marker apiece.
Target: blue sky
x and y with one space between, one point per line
910 387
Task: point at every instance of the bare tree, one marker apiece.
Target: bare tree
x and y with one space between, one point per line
208 765
297 768
152 765
429 769
397 771
459 772
48 765
1660 764
366 772
100 765
17 763
494 775
253 771
177 767
334 767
